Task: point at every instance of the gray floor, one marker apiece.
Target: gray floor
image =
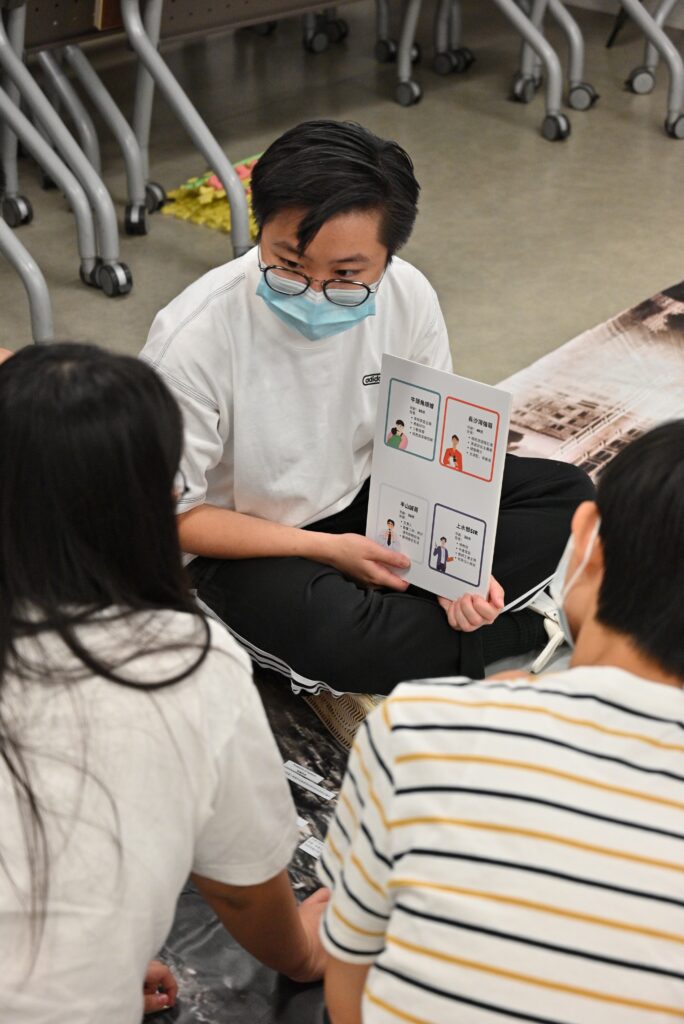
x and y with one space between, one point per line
527 243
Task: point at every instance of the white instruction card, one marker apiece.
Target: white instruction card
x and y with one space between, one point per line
438 460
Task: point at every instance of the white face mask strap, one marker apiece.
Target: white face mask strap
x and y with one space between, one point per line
520 603
569 584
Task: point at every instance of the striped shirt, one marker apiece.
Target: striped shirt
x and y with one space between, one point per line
514 851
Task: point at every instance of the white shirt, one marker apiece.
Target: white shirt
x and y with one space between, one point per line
512 850
140 788
278 426
382 538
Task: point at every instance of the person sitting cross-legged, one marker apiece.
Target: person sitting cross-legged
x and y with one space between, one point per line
275 361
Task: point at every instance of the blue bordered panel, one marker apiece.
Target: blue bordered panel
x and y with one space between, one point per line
414 387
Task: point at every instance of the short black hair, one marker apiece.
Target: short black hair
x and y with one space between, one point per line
400 421
391 521
641 502
332 167
455 436
443 538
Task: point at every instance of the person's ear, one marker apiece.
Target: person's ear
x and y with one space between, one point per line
584 523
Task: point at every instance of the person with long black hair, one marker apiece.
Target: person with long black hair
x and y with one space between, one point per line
134 749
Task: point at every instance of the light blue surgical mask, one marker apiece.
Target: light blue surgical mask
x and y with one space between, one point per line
312 314
560 587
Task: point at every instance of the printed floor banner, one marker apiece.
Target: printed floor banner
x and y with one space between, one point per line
585 401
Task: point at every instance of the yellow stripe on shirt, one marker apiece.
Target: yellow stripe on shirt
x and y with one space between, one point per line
529 766
530 833
364 874
545 908
344 799
355 928
371 791
333 849
533 709
530 979
400 1014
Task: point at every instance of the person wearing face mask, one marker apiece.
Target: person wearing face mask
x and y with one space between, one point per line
275 360
511 849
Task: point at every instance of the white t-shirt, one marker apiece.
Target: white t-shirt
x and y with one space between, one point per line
139 788
512 850
278 426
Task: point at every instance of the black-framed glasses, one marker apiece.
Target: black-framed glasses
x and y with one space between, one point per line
337 290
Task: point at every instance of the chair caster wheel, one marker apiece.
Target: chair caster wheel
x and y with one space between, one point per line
444 63
523 88
89 277
385 51
457 61
408 93
337 30
317 42
17 211
555 127
134 219
114 279
675 127
641 81
582 96
465 58
155 197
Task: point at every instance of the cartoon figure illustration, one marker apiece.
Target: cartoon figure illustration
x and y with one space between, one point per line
389 538
453 458
396 437
442 555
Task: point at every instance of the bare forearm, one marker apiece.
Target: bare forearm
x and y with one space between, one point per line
220 533
344 984
264 920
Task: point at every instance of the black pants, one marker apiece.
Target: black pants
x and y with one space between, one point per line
310 621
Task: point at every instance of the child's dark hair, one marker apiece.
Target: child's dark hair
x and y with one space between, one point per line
326 168
641 502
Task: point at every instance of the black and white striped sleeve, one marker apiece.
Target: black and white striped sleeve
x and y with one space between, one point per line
357 860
